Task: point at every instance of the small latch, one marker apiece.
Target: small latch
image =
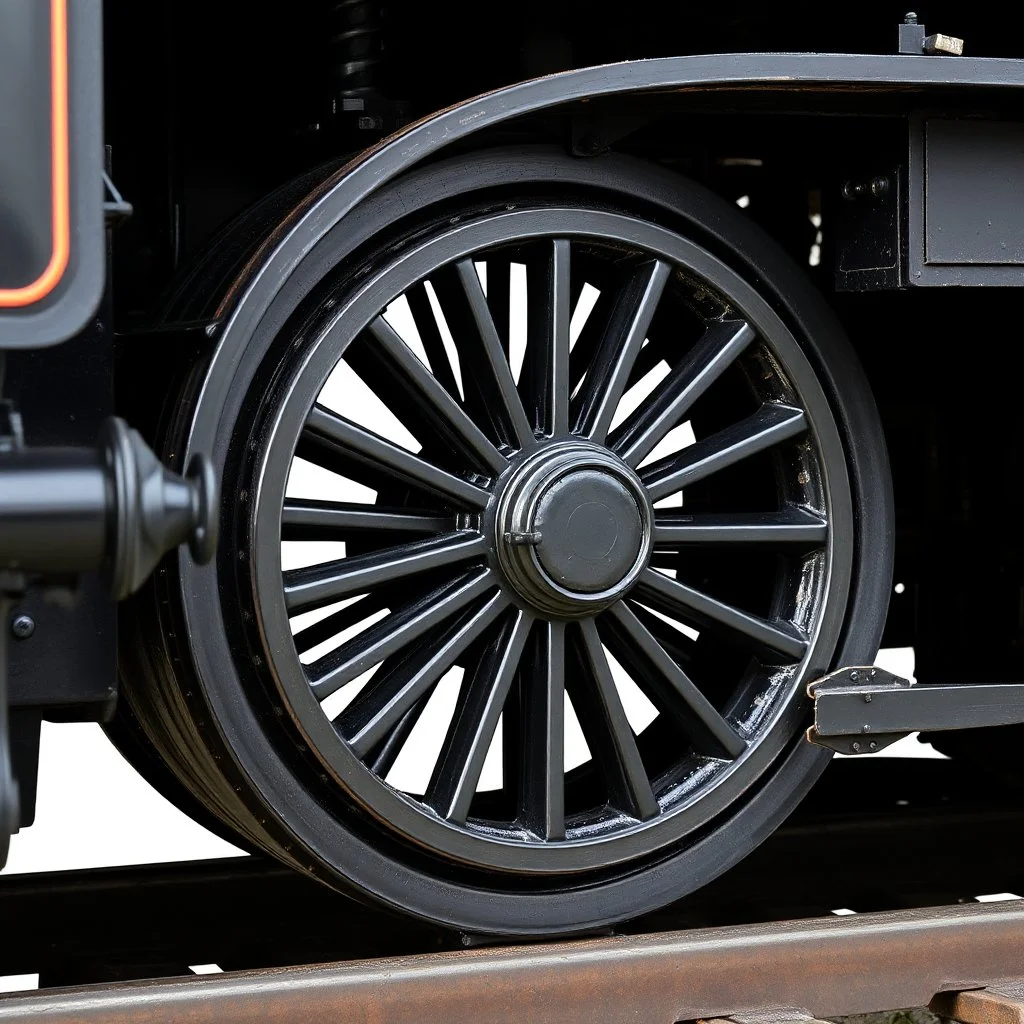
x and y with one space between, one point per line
913 39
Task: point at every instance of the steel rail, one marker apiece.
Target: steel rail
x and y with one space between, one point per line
827 966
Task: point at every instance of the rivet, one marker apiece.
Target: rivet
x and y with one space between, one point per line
23 626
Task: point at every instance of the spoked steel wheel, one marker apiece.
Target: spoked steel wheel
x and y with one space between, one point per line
545 518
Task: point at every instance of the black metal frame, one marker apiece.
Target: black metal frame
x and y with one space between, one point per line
800 73
863 709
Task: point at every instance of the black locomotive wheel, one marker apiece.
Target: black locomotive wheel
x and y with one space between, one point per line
586 450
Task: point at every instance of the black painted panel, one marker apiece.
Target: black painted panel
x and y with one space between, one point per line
974 192
25 151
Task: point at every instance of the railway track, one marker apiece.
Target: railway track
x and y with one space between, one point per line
908 846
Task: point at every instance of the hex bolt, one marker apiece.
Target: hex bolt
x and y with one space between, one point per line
854 676
872 746
855 747
867 698
23 626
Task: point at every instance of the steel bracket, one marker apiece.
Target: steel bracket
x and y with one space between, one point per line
863 709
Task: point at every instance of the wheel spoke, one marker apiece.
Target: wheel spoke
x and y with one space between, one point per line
547 379
418 387
769 426
624 334
311 519
695 712
325 431
499 297
674 598
582 355
317 585
329 627
469 317
615 745
430 336
485 690
391 634
543 756
382 759
794 526
716 351
380 707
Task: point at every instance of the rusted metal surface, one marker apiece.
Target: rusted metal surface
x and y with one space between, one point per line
998 1004
831 966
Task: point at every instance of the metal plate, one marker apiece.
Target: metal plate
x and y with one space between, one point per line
51 193
966 221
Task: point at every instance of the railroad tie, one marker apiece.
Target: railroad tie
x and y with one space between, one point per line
997 1004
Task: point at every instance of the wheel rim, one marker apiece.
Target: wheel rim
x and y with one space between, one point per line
491 594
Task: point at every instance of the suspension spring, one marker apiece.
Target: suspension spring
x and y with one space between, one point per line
356 47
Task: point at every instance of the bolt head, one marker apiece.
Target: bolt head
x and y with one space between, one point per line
23 626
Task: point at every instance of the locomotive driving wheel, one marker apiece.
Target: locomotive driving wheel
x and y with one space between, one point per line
571 485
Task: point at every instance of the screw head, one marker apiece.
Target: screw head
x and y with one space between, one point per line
854 676
23 626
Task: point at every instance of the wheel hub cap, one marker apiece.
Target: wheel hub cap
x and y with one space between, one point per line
573 529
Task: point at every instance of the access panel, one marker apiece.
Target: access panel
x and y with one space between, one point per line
51 188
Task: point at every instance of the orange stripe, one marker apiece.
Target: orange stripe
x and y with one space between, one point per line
54 271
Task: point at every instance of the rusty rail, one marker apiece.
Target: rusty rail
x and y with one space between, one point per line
826 967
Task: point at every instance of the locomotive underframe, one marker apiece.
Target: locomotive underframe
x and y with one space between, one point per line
805 138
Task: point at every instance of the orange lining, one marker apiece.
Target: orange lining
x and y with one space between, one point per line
54 271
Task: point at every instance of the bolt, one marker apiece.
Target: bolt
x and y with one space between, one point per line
853 189
854 676
23 626
855 747
872 745
879 187
867 698
910 18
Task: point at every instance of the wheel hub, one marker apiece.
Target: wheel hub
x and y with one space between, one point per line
573 529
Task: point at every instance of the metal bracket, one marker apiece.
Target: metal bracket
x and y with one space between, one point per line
862 709
913 39
115 207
